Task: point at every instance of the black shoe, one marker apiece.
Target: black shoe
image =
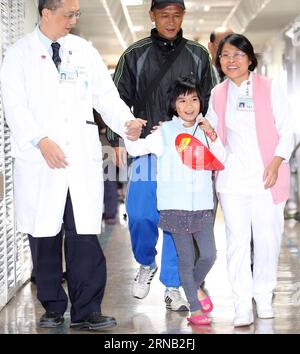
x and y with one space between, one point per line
51 320
95 321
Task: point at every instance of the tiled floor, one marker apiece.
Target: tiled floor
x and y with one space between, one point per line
149 315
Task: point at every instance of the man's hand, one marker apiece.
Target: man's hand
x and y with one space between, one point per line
120 156
134 128
271 172
52 153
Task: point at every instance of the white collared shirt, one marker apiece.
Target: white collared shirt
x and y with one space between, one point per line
46 42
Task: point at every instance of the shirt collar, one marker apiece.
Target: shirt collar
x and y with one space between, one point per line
46 42
179 123
166 45
243 84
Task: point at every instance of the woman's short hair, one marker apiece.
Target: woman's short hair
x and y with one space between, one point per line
181 86
243 44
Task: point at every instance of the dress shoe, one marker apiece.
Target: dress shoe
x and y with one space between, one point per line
243 319
95 321
51 320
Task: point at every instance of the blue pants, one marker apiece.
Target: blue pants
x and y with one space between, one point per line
143 216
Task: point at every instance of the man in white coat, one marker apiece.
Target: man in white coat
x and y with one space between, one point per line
50 81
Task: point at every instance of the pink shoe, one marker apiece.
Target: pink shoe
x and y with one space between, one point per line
206 301
201 320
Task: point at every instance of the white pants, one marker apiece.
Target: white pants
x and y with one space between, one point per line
241 212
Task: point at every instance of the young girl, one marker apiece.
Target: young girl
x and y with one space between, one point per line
184 195
255 127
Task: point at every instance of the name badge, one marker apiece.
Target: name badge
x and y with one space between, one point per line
83 80
245 104
68 74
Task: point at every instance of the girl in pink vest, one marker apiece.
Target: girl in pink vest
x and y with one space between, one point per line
255 127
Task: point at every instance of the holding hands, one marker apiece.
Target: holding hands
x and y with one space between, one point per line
134 128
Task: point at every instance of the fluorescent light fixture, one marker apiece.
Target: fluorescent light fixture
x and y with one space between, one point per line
133 2
138 28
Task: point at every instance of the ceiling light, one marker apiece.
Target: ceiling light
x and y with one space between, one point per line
133 2
139 28
206 8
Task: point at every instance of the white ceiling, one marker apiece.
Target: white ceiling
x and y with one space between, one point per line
112 25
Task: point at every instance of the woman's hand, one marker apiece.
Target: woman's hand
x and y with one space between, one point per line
271 172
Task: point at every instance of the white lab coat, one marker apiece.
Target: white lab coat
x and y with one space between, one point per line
38 104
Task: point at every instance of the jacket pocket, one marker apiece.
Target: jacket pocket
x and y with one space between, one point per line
93 141
91 122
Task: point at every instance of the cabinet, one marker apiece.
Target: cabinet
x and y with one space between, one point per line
15 259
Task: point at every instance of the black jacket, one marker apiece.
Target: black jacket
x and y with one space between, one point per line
141 62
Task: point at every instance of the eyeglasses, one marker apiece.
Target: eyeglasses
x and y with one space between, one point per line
235 56
71 14
75 14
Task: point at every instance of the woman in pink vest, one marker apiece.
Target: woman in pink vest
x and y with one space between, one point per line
255 127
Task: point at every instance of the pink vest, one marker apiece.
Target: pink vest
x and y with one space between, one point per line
267 134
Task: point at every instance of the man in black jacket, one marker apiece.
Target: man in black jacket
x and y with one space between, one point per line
138 67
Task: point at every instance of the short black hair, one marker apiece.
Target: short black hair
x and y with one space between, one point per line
212 37
181 86
48 4
243 44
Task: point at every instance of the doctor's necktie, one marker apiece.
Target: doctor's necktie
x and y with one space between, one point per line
55 57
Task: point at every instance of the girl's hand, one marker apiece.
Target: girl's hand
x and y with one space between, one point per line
208 129
205 125
271 172
156 127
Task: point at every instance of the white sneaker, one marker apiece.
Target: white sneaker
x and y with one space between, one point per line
243 319
141 284
174 300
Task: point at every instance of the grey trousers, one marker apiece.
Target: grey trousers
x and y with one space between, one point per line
192 271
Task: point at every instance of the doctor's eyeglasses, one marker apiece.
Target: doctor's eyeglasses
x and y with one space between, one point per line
69 15
75 14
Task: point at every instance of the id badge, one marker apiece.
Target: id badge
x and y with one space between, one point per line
245 104
68 75
83 81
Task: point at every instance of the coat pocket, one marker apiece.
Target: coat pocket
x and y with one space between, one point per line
93 141
91 122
